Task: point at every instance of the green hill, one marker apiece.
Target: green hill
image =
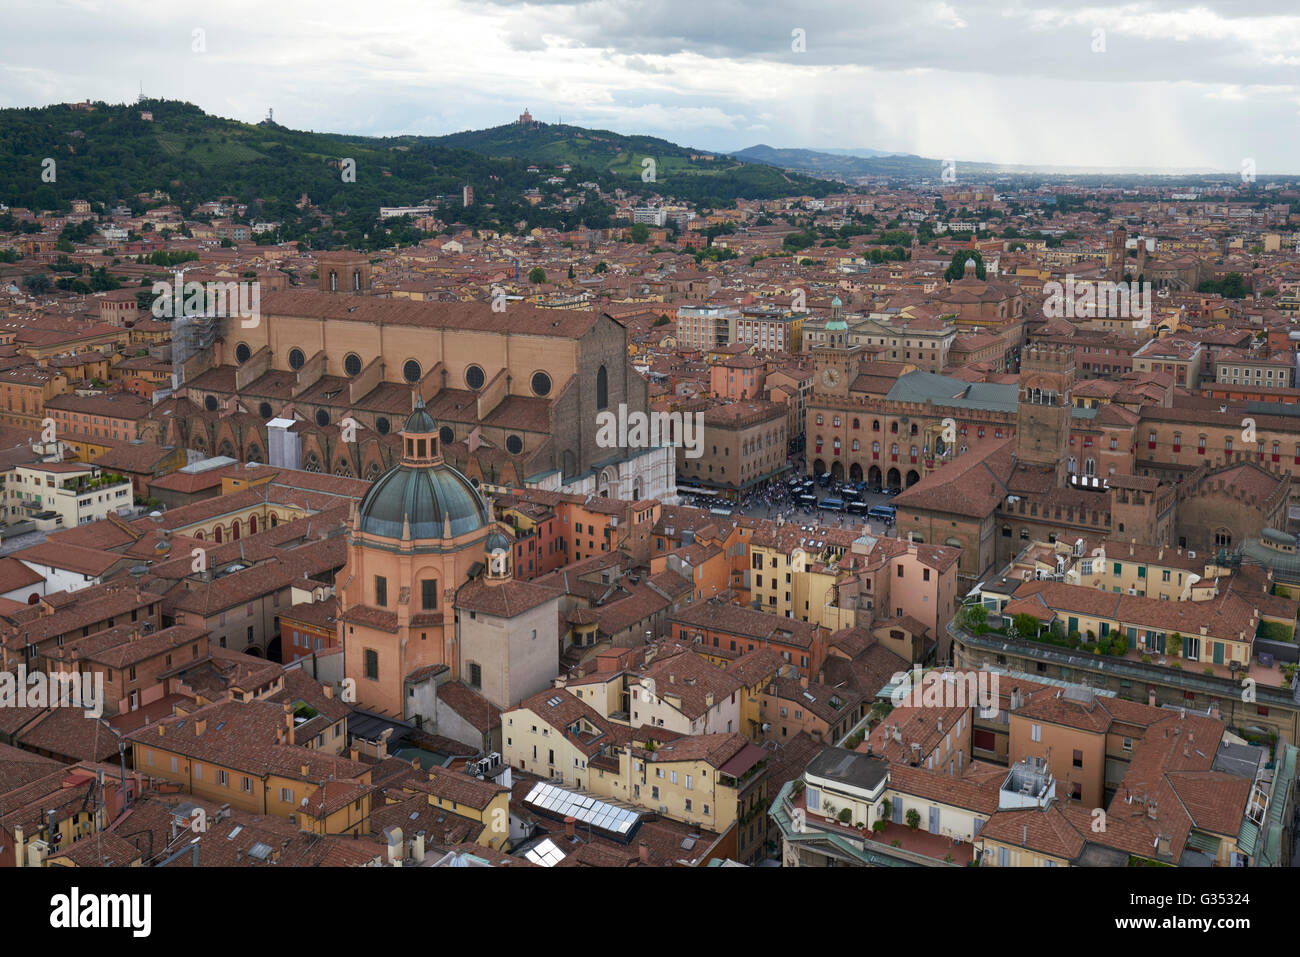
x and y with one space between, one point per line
110 154
698 175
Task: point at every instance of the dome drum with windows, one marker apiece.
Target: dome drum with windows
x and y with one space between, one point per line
422 496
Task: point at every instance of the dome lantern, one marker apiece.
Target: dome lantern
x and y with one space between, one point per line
420 438
422 497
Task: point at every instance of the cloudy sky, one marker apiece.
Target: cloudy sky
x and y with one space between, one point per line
1157 84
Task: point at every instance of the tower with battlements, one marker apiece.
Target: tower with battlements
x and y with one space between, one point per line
1043 411
1116 253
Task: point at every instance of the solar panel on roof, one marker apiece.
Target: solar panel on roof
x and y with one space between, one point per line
591 811
545 854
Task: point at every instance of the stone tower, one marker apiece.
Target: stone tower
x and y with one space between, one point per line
835 364
1116 253
346 272
1043 410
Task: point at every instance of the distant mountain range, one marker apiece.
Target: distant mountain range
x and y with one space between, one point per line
861 151
113 152
849 164
699 175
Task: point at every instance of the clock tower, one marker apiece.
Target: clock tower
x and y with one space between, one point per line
835 365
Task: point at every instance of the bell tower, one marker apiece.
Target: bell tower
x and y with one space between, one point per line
346 273
1043 410
835 365
1116 256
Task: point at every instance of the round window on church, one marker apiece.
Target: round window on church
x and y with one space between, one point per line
541 384
446 435
411 371
296 359
264 410
322 418
514 444
243 353
382 425
352 364
210 403
474 377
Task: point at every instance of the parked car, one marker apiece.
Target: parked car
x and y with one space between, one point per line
833 504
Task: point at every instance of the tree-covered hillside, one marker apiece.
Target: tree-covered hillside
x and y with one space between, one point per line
110 154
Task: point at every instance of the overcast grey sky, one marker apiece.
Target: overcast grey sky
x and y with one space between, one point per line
1160 83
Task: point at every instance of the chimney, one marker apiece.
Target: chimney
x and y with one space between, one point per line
393 835
570 827
643 850
803 681
1151 698
305 769
200 725
417 847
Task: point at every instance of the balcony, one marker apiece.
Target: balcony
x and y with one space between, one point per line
936 847
1216 681
84 484
896 846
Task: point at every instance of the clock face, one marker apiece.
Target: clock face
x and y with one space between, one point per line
831 376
